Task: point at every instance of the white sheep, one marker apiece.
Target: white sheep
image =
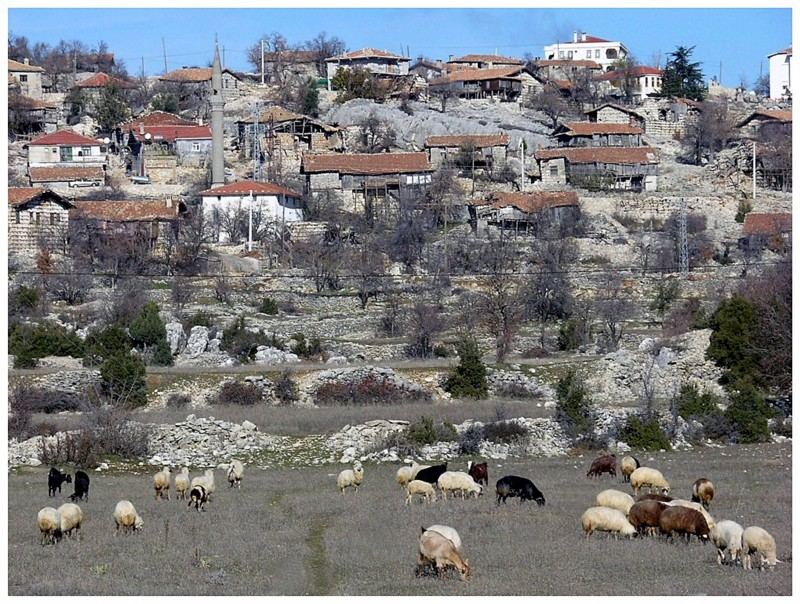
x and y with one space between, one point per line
71 517
350 478
695 506
182 483
206 481
49 522
407 473
727 535
606 519
126 517
235 473
420 487
617 500
458 481
447 531
648 477
161 483
756 540
627 466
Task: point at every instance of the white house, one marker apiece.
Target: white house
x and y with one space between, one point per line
272 201
585 47
378 62
780 79
28 77
66 148
644 81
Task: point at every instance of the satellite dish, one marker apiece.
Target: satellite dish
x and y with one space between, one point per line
148 136
106 140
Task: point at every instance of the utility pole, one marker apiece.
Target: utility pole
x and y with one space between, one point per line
143 76
522 163
223 56
256 145
262 62
250 223
684 240
164 49
754 170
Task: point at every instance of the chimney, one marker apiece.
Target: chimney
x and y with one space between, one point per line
583 37
141 129
575 36
199 120
168 202
450 57
26 61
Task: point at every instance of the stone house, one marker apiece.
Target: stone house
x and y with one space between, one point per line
504 84
556 69
644 81
482 62
600 168
92 87
764 123
427 70
587 48
780 74
761 230
197 80
289 64
37 218
28 77
40 115
380 63
273 202
488 150
523 213
597 134
615 114
368 183
668 117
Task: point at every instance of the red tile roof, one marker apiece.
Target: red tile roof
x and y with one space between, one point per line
530 202
366 163
589 40
188 74
486 59
173 133
767 224
245 187
590 128
125 211
20 195
155 118
367 53
63 137
479 141
100 79
17 66
476 75
637 71
784 116
688 102
608 155
66 174
568 63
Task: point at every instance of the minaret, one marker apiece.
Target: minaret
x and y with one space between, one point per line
217 110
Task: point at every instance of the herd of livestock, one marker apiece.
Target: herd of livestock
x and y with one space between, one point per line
615 512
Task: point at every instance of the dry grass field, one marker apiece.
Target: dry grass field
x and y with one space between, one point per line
289 532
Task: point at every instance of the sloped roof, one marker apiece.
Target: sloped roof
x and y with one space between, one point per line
365 163
63 137
530 202
688 102
476 75
486 59
245 187
584 63
192 75
125 211
173 133
590 128
756 223
785 51
608 155
784 116
477 140
100 79
636 71
17 66
367 53
276 113
614 106
26 102
18 196
292 56
589 40
155 118
66 174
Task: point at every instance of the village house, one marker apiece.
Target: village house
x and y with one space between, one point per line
780 74
600 168
480 151
597 134
523 213
63 178
271 201
91 88
427 70
197 81
585 47
643 81
31 115
28 77
482 62
368 183
380 63
65 158
289 64
668 117
766 230
615 114
556 69
504 84
37 218
766 123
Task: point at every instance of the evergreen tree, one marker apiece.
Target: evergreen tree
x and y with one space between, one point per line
148 333
111 108
310 98
731 344
468 379
682 77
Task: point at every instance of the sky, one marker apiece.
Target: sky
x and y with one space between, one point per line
739 38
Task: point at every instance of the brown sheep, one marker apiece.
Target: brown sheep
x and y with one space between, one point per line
645 516
654 497
437 549
603 464
686 521
703 491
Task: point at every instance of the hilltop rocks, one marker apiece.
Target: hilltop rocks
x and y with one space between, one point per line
198 341
267 355
176 337
515 384
353 441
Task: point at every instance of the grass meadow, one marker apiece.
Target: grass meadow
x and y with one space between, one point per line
289 532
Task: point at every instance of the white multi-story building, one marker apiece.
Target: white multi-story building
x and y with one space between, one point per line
584 47
780 80
644 81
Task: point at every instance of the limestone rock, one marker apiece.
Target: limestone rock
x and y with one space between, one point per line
198 340
176 337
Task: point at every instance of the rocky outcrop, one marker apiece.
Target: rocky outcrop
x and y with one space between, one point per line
198 341
267 355
176 337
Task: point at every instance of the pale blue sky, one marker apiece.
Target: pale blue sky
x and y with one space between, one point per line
739 37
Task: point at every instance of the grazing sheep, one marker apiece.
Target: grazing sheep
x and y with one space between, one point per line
182 483
650 478
727 535
516 486
81 486
654 497
71 517
235 473
55 478
458 481
420 487
695 506
198 496
756 540
161 483
126 518
408 473
49 523
645 515
628 464
431 474
611 498
447 531
606 519
350 478
703 491
480 472
683 520
437 549
603 464
206 481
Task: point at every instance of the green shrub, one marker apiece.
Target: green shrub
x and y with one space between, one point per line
239 393
692 404
162 356
442 351
178 400
306 349
731 345
646 435
574 411
268 306
469 442
104 343
285 388
25 298
201 318
25 360
446 432
569 335
504 432
422 431
44 339
748 413
242 343
667 291
370 390
148 333
744 208
123 380
468 378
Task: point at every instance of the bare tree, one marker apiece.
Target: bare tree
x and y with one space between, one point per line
277 48
375 135
550 102
391 320
367 264
323 48
424 323
613 308
710 133
324 260
502 303
547 290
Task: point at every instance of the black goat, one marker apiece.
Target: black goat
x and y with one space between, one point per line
55 479
516 486
81 486
431 475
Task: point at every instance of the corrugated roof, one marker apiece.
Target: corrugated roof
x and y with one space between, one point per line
530 202
477 140
245 187
365 163
125 211
767 224
475 75
63 137
66 174
486 59
608 155
590 128
100 79
368 53
17 66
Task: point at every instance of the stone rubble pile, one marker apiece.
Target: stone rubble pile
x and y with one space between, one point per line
514 383
399 386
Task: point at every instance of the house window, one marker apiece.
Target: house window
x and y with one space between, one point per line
37 215
86 151
569 54
16 217
23 78
588 54
195 146
553 170
54 218
597 54
560 54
